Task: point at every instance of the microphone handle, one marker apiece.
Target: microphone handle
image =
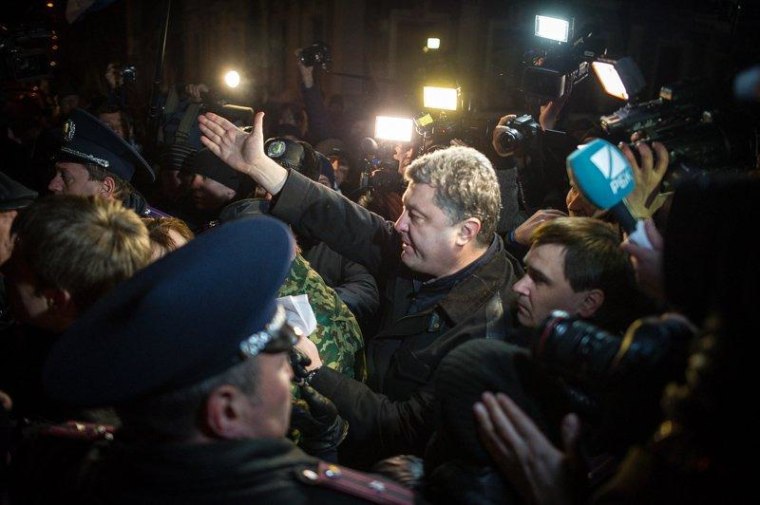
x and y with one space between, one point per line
633 228
624 217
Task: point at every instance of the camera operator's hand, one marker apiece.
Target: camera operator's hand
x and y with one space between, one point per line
537 469
648 262
647 174
243 151
114 77
196 91
317 419
5 401
523 232
307 73
550 111
498 130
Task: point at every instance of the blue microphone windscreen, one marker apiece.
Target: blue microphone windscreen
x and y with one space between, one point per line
601 172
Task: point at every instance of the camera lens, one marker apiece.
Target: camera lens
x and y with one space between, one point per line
510 139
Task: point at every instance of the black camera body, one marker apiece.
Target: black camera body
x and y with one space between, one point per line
316 54
128 73
552 73
613 382
520 131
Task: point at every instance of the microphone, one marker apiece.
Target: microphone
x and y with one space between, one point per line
604 176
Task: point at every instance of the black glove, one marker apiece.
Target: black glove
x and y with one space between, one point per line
317 420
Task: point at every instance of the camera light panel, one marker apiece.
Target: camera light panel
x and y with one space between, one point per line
610 79
433 43
552 28
394 128
439 98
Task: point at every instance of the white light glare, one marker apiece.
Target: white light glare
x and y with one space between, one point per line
610 79
232 79
553 28
393 128
439 98
433 43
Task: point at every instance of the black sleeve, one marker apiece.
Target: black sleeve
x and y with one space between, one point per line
317 212
378 427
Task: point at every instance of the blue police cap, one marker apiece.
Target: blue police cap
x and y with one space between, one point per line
88 140
189 316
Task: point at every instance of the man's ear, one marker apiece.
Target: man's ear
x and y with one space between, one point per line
108 185
226 413
468 230
59 301
591 302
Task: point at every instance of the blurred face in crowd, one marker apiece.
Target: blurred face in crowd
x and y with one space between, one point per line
269 407
577 205
404 154
173 183
544 287
114 122
340 169
6 239
208 194
428 238
73 179
26 297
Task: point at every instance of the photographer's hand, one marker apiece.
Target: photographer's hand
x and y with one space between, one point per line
523 232
243 151
648 262
307 73
498 130
648 176
195 91
537 469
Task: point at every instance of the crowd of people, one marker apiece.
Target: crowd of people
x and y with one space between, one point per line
215 315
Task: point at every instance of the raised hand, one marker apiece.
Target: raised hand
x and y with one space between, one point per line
648 175
522 453
648 262
525 230
241 150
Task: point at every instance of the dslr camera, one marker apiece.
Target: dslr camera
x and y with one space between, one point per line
519 133
316 54
613 382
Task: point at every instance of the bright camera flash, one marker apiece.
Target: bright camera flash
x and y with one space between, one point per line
232 79
439 98
553 28
433 43
393 128
610 79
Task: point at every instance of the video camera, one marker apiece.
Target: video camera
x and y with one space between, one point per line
25 54
439 129
316 54
699 135
379 170
552 73
238 114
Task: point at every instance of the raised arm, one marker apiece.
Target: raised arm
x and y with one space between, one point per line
242 151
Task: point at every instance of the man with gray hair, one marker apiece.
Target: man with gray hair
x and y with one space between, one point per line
443 272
